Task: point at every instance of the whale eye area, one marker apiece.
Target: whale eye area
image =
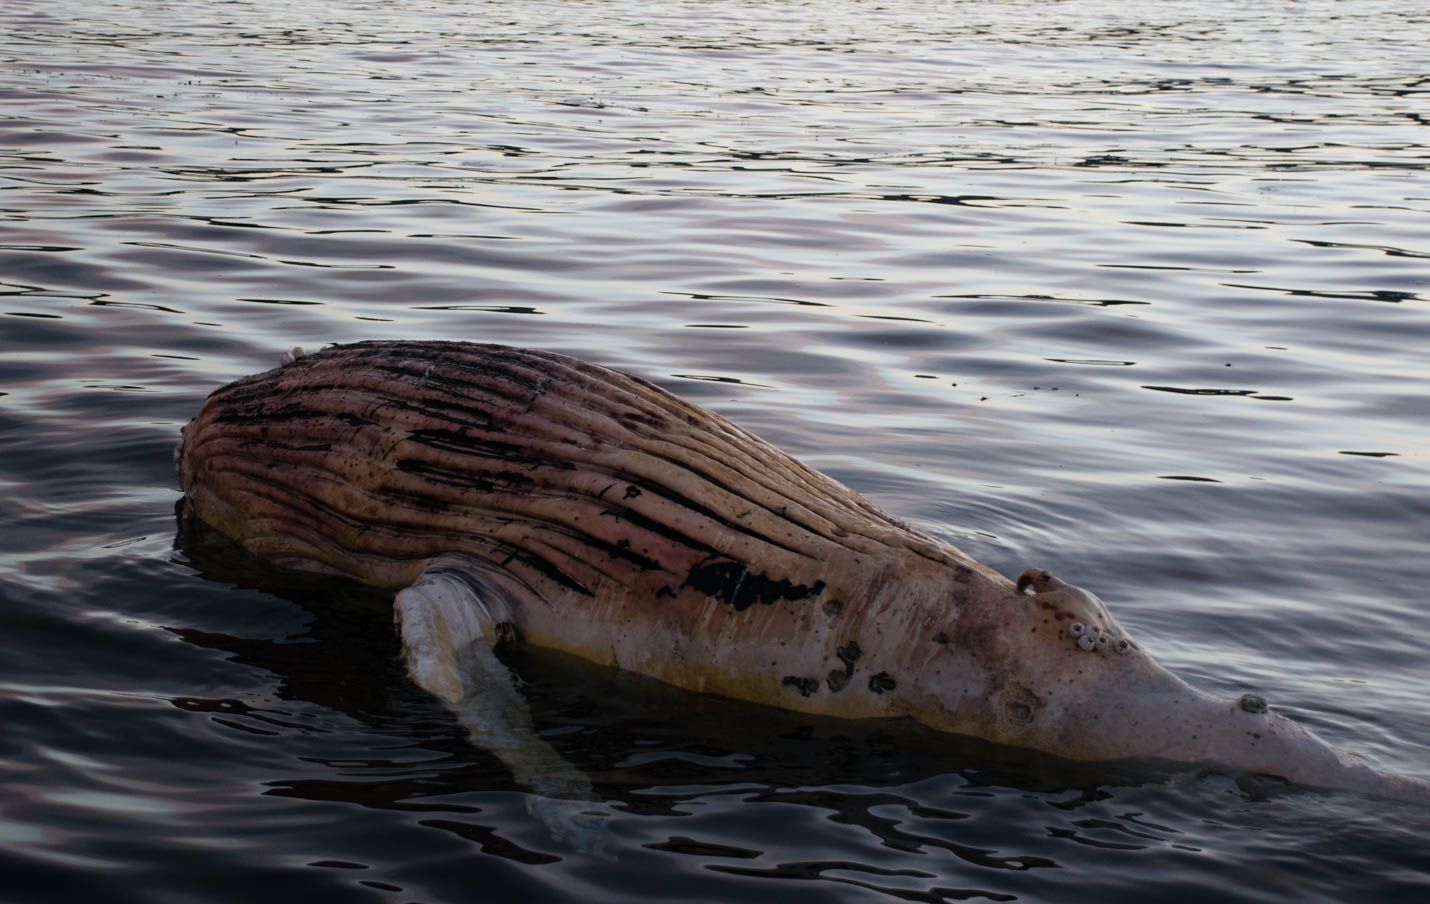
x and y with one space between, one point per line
1019 704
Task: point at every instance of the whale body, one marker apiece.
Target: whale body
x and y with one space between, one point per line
512 493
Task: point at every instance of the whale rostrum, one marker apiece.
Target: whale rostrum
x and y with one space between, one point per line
512 493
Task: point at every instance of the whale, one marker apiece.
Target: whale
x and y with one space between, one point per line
517 496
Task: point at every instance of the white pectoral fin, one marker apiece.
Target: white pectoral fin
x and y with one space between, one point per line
438 617
449 630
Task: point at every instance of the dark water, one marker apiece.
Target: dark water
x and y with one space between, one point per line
1135 292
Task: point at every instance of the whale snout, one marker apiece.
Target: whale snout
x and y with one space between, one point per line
1081 618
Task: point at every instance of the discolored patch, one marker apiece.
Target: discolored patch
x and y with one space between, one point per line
848 654
259 413
475 480
805 686
731 582
287 447
460 441
882 682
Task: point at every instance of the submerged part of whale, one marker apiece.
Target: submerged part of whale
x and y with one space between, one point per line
517 493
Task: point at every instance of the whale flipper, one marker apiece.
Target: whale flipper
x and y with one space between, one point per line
438 617
451 624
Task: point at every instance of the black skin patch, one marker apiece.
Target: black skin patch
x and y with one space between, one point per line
881 682
631 420
940 637
286 447
353 420
461 442
665 591
478 482
258 414
631 493
731 582
545 569
805 686
848 654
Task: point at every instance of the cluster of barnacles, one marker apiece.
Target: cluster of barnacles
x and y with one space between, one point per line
1092 638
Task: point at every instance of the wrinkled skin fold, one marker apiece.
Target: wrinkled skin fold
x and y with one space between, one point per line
591 512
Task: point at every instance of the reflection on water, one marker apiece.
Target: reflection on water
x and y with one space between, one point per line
1135 293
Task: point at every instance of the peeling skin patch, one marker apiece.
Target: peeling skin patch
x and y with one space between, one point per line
732 583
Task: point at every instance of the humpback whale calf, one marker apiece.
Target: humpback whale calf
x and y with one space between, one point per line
517 495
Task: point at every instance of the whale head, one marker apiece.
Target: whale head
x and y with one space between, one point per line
1045 665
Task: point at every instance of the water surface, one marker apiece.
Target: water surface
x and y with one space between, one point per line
1134 292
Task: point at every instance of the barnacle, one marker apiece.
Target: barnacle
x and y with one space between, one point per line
1253 703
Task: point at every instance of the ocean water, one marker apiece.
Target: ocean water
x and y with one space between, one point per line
1139 293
